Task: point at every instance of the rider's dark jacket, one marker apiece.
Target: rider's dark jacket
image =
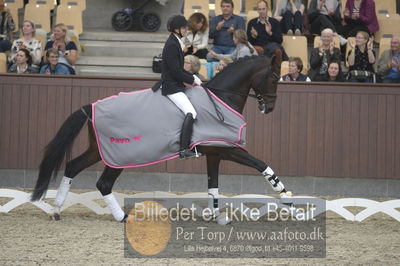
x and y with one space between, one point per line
173 74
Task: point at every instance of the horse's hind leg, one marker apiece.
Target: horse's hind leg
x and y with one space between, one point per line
72 169
242 157
105 185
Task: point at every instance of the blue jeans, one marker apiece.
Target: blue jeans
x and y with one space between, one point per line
219 49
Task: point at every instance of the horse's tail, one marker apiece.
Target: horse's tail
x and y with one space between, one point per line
59 148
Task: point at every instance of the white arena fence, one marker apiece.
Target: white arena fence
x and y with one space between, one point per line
89 199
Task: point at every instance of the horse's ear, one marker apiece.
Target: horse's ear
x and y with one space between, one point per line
276 62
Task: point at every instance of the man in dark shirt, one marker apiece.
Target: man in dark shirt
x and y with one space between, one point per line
265 32
222 28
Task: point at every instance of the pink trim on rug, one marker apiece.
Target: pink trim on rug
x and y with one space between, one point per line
241 131
227 106
115 96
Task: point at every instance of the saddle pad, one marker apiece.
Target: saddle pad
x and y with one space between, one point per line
143 127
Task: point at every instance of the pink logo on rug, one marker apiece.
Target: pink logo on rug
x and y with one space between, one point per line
137 138
119 140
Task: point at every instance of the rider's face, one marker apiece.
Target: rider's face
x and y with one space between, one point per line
184 31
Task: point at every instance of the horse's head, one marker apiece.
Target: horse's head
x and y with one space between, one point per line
265 83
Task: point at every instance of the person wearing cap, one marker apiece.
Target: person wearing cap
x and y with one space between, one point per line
173 80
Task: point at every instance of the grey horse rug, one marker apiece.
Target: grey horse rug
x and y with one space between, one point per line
140 128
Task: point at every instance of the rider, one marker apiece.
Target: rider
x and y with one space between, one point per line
173 77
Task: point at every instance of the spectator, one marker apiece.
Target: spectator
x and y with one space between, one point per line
388 66
334 73
28 42
196 40
290 13
67 51
192 65
361 58
54 66
243 47
264 32
360 16
222 28
23 63
325 14
323 55
295 68
224 62
7 26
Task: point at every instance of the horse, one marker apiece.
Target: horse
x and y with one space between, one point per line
232 85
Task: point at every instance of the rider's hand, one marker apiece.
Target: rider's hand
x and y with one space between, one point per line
197 81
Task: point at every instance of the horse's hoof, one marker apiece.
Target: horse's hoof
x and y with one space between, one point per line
56 217
286 198
223 219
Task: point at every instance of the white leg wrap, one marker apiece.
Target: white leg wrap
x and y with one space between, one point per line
114 207
62 191
212 200
273 180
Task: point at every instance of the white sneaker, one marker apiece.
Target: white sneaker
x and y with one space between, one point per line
290 32
297 32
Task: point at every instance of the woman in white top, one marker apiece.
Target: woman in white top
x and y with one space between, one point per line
196 40
29 42
243 47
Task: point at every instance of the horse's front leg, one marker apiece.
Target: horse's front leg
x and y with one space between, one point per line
243 157
213 161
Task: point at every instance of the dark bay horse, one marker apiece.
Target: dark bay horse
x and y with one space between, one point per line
232 85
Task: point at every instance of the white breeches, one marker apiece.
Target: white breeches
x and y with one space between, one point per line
183 103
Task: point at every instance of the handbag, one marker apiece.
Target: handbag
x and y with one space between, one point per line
361 75
157 61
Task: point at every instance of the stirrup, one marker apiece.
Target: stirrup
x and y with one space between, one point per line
186 154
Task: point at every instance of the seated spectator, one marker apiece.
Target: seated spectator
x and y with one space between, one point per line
322 56
192 65
7 26
264 32
388 66
196 40
334 73
326 14
28 42
224 62
295 68
243 47
222 28
289 13
361 59
360 16
67 50
23 63
54 66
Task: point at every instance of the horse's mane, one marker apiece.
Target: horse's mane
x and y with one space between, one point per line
233 68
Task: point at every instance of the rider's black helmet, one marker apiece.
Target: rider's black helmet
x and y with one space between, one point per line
176 22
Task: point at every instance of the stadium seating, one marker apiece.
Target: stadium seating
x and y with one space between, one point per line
71 16
14 6
348 48
236 9
41 35
39 14
194 6
252 5
318 38
50 3
285 68
3 63
388 26
297 46
384 45
203 68
80 3
385 6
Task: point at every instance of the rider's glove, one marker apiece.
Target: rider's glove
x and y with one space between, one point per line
197 81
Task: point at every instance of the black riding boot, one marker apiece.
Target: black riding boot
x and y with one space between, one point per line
186 136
